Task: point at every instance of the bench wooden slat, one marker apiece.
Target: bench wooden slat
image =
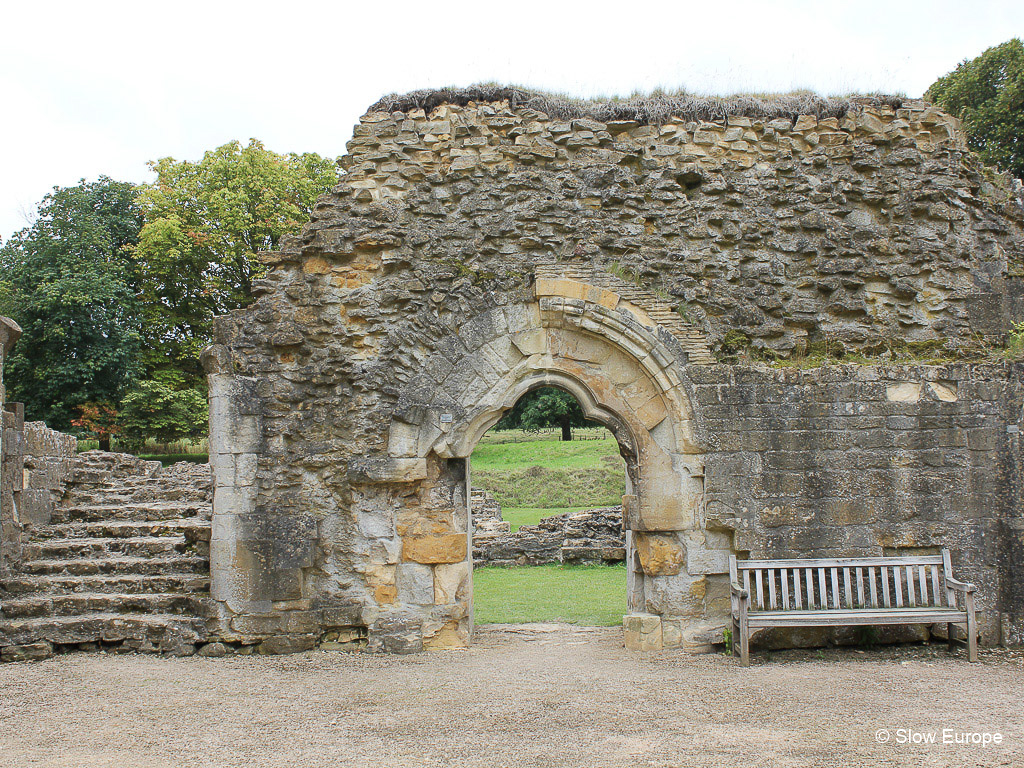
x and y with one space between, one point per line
809 576
923 583
936 594
898 586
834 572
822 589
760 590
785 589
847 588
838 562
771 586
871 583
797 578
911 596
886 600
860 586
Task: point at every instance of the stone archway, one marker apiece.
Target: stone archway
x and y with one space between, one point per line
602 344
381 553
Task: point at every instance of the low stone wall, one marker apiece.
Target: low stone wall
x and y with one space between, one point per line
589 536
36 467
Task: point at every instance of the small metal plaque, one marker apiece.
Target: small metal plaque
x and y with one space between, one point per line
446 418
1012 429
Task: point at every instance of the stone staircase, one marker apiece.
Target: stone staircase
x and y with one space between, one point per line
123 563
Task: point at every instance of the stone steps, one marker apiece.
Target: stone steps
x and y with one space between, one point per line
78 603
137 565
123 561
126 583
79 548
168 510
163 632
192 528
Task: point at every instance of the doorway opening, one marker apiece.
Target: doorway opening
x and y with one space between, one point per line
549 538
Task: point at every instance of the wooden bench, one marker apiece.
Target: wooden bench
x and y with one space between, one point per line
848 591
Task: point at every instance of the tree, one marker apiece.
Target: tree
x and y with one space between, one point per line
205 223
545 407
158 410
99 420
987 94
68 281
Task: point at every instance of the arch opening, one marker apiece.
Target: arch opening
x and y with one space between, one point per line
626 376
547 522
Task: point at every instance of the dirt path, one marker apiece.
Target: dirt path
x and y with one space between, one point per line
556 696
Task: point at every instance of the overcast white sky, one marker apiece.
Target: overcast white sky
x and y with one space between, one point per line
102 87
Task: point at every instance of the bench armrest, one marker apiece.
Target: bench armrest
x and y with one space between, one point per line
960 586
738 591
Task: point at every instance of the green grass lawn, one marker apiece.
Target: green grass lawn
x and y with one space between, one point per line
536 471
590 595
514 449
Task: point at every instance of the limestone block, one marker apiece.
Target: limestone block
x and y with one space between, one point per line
671 633
382 581
387 470
452 635
701 558
415 584
376 524
660 554
441 548
642 632
396 632
451 582
531 342
678 595
944 392
908 392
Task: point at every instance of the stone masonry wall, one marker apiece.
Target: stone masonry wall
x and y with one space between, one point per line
37 466
10 467
877 226
868 461
482 250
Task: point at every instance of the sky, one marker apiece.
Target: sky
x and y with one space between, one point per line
102 87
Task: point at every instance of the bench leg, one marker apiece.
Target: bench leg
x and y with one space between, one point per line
950 642
972 629
744 643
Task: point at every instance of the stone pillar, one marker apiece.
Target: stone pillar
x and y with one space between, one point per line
10 463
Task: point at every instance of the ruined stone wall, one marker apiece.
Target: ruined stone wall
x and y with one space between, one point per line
866 461
36 468
480 251
875 227
590 536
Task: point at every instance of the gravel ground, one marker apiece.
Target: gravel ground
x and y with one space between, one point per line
536 695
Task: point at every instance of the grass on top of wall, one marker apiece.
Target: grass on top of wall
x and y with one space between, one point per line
589 595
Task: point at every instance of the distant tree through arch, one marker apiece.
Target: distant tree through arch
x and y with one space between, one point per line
546 407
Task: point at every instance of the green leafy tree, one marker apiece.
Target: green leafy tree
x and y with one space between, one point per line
205 223
987 94
68 281
545 407
158 410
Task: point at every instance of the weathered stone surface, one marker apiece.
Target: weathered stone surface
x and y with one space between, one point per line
660 555
442 548
28 652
